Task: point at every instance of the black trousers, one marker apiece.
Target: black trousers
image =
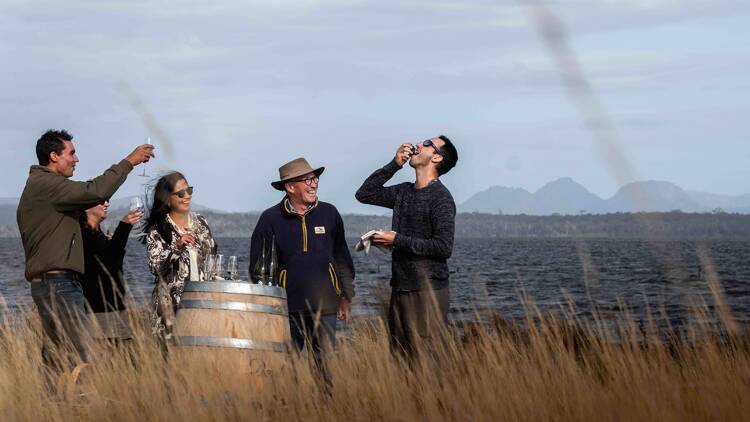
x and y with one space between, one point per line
415 317
318 332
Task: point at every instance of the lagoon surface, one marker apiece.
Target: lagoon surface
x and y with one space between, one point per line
662 277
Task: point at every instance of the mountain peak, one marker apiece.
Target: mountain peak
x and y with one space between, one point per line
661 185
563 183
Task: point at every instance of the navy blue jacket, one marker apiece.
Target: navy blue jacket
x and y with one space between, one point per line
314 260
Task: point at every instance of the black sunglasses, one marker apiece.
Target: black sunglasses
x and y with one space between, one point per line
181 193
429 143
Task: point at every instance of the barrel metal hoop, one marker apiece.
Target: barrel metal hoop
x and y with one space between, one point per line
235 287
233 306
234 343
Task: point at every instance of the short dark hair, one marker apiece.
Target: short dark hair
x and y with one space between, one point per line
450 156
51 141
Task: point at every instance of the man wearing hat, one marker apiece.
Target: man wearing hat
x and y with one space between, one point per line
315 266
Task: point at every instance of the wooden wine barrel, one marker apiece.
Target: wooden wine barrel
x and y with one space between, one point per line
236 328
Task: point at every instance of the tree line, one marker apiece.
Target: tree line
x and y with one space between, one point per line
676 224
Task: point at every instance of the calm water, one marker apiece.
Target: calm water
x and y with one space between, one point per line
493 274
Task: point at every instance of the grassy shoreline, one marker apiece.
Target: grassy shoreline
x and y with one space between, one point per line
555 368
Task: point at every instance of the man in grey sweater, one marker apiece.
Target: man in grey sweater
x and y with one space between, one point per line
423 226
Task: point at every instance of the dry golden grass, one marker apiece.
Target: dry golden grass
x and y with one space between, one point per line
554 369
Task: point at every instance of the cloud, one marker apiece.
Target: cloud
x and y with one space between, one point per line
249 84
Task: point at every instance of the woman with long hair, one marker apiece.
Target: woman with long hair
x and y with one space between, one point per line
177 242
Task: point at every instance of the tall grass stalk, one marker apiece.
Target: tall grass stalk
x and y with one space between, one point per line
554 368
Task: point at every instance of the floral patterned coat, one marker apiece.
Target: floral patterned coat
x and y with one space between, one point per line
171 267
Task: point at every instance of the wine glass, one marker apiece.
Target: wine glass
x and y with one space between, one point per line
209 267
136 203
143 173
219 266
232 267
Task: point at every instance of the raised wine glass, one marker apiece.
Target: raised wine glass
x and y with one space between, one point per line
136 203
143 173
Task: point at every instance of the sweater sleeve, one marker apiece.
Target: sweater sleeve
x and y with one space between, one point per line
72 195
119 240
440 245
373 191
342 260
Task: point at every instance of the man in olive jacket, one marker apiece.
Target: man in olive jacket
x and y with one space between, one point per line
48 219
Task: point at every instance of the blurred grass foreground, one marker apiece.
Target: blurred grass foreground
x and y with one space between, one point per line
553 367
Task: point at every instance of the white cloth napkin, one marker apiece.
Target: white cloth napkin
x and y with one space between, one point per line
365 241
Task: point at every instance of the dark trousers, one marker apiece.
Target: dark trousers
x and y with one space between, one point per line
318 332
415 317
60 303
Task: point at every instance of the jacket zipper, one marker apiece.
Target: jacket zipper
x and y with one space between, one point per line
304 235
72 244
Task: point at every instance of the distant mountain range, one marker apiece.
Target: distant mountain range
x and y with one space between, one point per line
567 197
563 196
560 197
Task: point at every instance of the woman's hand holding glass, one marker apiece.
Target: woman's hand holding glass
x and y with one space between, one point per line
188 239
133 216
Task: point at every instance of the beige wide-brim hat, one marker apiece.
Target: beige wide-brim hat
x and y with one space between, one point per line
293 169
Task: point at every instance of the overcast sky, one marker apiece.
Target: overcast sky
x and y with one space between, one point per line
240 87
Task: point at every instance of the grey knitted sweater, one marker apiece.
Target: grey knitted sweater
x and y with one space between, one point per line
424 220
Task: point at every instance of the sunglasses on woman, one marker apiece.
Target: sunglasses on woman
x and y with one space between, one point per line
181 193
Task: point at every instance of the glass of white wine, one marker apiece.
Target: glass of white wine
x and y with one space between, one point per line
232 267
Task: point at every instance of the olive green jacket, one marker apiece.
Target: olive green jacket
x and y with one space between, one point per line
48 215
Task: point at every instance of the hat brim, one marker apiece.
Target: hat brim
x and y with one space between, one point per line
279 184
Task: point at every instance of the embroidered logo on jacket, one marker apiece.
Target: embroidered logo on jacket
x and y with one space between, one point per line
320 230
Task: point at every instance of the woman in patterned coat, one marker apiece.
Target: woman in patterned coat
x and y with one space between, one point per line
177 243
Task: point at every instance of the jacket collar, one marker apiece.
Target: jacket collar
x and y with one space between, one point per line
287 207
37 168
